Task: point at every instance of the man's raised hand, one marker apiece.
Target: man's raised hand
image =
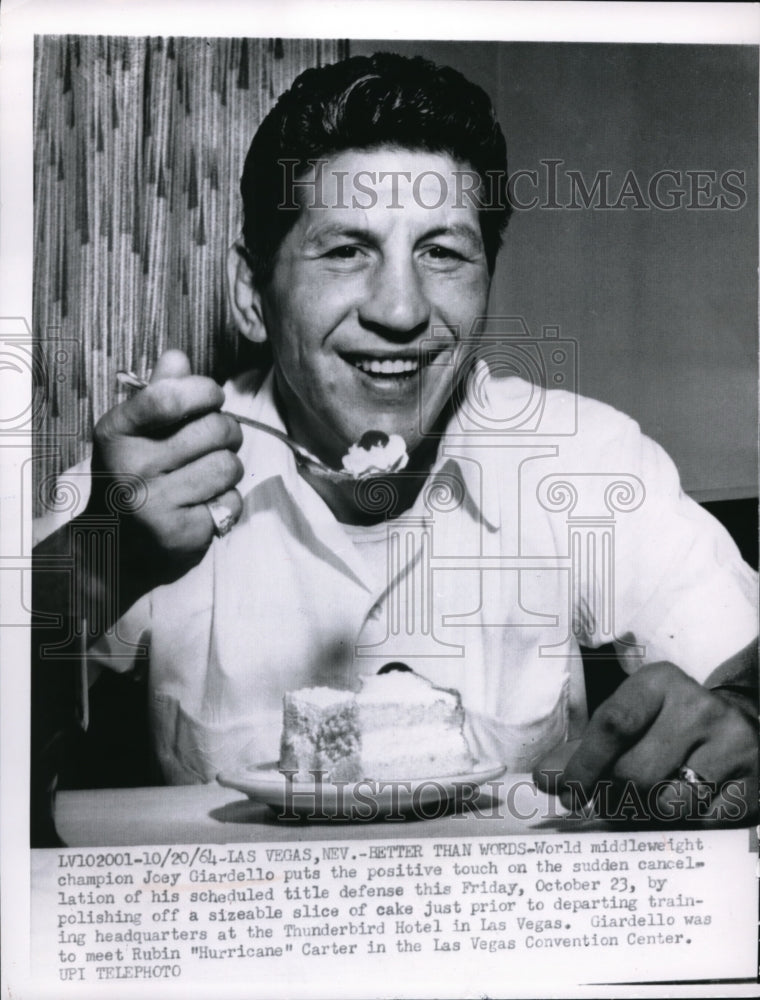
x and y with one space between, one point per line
174 439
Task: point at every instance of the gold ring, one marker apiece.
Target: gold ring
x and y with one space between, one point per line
222 516
691 777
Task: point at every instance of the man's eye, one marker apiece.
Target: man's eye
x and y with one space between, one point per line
438 252
347 252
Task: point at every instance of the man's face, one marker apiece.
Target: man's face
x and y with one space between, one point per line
356 291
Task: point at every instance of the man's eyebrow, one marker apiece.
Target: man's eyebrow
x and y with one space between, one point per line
459 230
318 233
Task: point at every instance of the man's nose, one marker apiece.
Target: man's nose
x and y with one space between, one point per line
396 305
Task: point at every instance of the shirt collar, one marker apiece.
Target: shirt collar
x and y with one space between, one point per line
468 471
252 396
459 438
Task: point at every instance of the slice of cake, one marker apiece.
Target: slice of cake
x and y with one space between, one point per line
398 726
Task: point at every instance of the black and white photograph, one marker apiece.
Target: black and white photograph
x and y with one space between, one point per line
382 511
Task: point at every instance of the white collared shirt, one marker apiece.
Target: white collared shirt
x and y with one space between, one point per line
542 524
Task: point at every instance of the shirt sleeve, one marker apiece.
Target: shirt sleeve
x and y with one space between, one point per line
64 501
126 642
681 589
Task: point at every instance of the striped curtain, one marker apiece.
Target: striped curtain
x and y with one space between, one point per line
139 146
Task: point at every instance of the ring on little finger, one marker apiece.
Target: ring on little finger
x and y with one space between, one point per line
690 776
702 787
222 516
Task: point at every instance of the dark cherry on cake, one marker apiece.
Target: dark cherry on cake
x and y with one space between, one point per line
387 668
371 439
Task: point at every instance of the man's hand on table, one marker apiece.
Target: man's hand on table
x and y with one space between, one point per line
172 437
657 722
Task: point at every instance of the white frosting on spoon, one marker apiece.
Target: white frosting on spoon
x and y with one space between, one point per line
376 453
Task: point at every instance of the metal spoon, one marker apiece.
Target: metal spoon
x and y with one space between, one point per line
303 457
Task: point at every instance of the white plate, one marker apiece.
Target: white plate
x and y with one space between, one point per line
361 801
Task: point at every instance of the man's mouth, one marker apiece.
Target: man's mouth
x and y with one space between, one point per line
386 367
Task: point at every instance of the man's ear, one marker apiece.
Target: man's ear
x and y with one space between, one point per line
245 299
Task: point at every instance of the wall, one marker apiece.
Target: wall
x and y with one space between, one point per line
662 304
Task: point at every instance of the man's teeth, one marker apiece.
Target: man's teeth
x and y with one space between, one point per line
395 366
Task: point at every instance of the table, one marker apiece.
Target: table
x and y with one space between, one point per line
192 814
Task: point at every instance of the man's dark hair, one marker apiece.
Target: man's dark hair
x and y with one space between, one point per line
363 103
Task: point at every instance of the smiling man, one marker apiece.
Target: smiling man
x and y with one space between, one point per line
354 293
374 205
353 297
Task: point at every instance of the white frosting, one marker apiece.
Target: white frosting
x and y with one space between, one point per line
400 686
321 697
378 459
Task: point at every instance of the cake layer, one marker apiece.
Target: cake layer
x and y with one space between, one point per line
321 733
423 753
398 726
